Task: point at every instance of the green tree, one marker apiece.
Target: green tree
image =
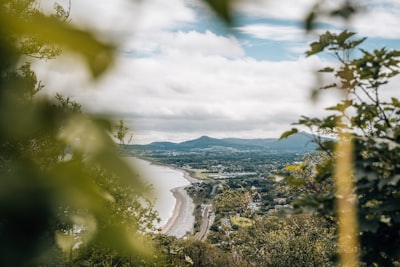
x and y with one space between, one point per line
298 240
231 201
62 183
121 133
372 124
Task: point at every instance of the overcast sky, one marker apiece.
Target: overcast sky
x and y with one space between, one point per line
180 73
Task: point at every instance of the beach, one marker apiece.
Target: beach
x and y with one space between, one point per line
174 205
182 220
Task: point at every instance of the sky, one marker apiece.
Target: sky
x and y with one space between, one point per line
180 73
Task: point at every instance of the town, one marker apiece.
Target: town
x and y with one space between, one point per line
236 183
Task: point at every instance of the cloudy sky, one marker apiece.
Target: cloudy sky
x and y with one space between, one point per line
180 73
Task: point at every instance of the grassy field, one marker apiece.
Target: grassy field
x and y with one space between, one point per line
198 173
241 221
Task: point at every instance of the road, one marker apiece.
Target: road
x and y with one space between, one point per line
206 222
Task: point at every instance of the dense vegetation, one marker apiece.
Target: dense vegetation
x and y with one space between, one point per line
368 125
63 184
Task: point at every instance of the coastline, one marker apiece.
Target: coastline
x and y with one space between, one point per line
182 220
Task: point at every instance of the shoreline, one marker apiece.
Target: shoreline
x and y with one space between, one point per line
177 215
182 220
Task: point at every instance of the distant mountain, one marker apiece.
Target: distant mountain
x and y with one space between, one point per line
203 142
301 142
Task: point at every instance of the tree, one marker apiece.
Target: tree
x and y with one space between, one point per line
121 133
298 240
231 201
62 183
372 125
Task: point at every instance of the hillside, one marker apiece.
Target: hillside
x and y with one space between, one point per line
298 142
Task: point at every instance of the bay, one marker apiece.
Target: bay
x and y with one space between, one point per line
162 179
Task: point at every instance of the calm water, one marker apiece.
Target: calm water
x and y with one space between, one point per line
163 180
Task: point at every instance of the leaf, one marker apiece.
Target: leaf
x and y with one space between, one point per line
333 85
316 47
329 122
343 36
341 107
356 42
392 181
222 8
345 11
395 102
396 53
309 21
327 69
324 170
98 55
368 225
288 133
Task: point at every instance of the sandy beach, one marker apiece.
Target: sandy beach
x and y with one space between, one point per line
182 220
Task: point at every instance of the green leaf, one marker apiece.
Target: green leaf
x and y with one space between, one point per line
330 122
98 55
222 8
327 69
345 11
356 42
341 107
316 47
396 53
288 133
333 85
343 36
395 102
309 21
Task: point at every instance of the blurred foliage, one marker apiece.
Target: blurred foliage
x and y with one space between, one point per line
374 127
27 31
63 185
223 8
121 134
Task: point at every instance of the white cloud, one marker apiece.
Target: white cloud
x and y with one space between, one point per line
191 83
206 44
273 32
174 93
376 18
156 15
191 42
282 9
120 19
378 23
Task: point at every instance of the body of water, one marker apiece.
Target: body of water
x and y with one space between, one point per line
163 180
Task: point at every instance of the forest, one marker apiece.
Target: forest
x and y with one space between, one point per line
67 198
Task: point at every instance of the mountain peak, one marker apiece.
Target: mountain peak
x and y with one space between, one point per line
204 137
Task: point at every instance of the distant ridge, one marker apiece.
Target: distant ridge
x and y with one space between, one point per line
301 142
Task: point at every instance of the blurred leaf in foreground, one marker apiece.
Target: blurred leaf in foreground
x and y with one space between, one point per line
63 186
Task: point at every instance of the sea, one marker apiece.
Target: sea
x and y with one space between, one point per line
162 179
